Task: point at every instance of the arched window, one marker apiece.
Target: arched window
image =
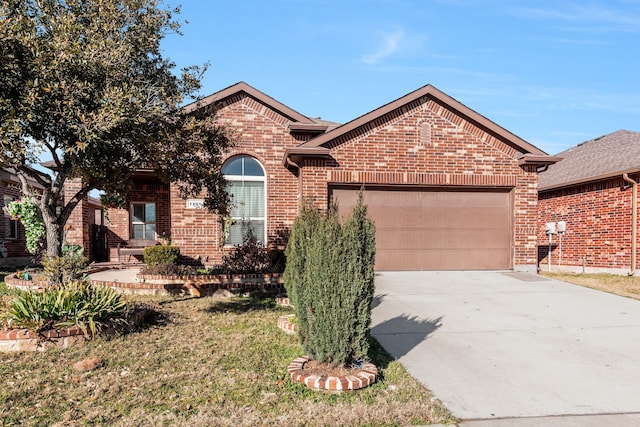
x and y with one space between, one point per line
246 188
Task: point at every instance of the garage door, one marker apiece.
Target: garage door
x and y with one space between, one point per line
437 230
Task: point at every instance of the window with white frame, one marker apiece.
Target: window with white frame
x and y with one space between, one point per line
143 221
10 225
246 188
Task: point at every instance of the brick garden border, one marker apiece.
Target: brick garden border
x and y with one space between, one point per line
283 300
366 376
286 325
172 285
206 285
23 339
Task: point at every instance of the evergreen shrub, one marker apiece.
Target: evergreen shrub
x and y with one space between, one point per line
329 279
161 254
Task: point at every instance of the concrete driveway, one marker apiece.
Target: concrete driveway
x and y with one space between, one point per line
497 345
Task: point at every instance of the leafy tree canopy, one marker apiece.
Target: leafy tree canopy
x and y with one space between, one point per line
85 83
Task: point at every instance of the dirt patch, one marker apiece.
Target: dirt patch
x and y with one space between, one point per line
313 367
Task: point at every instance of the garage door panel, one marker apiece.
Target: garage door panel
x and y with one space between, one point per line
398 238
438 230
395 260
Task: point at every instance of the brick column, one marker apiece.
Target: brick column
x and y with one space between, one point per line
77 230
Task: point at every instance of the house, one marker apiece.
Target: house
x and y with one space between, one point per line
592 190
13 248
446 187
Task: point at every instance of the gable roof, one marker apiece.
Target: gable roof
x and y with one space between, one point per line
535 154
599 158
261 97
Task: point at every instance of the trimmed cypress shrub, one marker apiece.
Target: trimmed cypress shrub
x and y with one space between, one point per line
330 280
302 233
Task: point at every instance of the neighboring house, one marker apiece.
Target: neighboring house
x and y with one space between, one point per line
13 251
587 190
446 187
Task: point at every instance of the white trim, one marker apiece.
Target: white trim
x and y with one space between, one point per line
252 178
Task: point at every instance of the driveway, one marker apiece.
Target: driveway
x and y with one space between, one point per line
494 345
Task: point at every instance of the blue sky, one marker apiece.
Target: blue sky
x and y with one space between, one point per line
555 73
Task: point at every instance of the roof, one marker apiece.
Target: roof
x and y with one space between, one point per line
433 93
242 87
599 158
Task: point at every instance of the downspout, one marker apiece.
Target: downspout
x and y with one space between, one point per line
634 221
290 162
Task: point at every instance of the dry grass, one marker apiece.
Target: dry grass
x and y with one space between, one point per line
626 286
203 362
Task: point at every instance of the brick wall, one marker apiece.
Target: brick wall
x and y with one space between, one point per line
15 247
598 217
454 153
264 135
77 227
144 190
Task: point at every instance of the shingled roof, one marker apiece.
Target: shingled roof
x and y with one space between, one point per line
593 160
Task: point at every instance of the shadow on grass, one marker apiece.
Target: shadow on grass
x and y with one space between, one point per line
151 317
239 305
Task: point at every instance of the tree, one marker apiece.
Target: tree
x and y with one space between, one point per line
85 83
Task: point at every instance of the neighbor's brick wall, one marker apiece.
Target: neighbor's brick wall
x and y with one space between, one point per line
598 217
429 145
263 134
15 247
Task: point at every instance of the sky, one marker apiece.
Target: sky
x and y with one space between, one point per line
555 73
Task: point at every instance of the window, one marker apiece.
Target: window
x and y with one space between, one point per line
246 188
10 225
143 221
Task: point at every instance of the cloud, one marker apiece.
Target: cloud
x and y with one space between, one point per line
391 43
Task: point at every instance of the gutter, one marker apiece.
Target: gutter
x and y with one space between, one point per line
634 222
293 156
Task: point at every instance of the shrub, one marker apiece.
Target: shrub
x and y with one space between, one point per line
330 280
73 303
30 217
301 235
252 257
65 268
169 270
161 254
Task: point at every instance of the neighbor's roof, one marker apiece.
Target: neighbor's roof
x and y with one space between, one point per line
599 158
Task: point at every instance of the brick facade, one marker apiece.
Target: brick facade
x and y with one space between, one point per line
458 154
423 143
598 217
16 246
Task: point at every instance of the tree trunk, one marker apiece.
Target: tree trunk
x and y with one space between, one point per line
54 234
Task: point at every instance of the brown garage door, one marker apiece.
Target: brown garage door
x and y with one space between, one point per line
437 230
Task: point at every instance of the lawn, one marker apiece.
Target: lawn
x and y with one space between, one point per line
626 286
204 361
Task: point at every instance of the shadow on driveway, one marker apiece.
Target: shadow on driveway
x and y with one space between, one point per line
414 330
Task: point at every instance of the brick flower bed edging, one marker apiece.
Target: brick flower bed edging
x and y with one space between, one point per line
22 284
363 378
286 325
170 285
201 285
29 340
283 300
